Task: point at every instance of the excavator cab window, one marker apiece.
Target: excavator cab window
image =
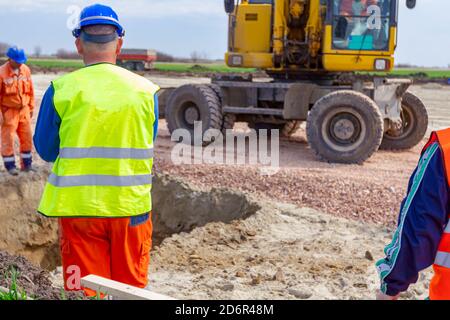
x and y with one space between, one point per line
362 24
260 1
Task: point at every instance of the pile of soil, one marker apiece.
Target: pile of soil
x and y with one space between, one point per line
280 252
22 230
32 280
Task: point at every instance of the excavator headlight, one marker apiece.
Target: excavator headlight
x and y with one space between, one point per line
381 64
235 61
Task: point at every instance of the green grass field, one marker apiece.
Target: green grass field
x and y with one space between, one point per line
159 66
222 68
55 63
428 73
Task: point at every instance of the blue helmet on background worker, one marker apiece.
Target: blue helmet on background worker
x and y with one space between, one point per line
98 14
17 55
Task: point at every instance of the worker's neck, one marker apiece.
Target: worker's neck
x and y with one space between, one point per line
14 67
99 59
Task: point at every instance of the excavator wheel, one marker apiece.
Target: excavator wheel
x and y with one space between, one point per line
228 118
139 66
414 125
191 103
345 127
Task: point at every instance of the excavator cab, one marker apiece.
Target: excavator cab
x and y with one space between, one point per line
313 35
360 35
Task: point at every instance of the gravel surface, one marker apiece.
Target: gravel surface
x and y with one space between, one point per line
371 192
359 200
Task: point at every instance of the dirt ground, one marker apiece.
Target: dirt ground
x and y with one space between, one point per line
284 251
281 252
33 281
341 190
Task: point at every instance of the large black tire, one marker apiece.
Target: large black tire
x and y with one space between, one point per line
286 129
415 124
191 103
139 66
129 65
345 127
229 119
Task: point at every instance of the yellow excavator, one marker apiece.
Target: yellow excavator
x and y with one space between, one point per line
313 52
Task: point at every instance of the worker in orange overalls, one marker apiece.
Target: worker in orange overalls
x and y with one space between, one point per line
17 105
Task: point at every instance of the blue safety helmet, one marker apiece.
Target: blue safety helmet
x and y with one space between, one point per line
98 14
17 55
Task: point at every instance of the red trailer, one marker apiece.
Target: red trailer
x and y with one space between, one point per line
137 59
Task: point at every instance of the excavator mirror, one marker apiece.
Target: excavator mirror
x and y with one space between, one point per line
229 6
411 4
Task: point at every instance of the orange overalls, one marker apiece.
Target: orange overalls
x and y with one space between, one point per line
112 248
17 105
440 284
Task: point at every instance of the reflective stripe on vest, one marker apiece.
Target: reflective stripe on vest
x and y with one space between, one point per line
105 153
104 168
99 180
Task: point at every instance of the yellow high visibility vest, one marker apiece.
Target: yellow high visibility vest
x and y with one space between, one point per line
104 168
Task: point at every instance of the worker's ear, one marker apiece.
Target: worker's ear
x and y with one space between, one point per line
79 46
119 46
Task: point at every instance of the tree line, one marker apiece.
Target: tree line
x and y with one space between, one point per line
195 56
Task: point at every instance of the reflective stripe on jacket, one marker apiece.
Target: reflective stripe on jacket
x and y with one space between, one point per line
16 90
104 168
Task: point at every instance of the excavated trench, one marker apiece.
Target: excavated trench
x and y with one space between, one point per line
178 207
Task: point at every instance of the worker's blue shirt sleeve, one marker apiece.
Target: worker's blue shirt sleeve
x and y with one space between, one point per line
46 137
156 110
421 223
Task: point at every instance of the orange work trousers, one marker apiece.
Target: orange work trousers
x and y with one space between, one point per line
16 121
112 248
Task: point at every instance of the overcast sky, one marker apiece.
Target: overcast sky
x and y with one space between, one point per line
179 27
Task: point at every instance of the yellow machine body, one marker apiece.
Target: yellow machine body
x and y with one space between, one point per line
251 38
299 35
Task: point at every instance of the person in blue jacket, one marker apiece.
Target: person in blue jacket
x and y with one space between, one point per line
421 223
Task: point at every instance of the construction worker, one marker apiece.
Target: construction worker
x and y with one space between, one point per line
98 125
422 238
356 7
17 105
